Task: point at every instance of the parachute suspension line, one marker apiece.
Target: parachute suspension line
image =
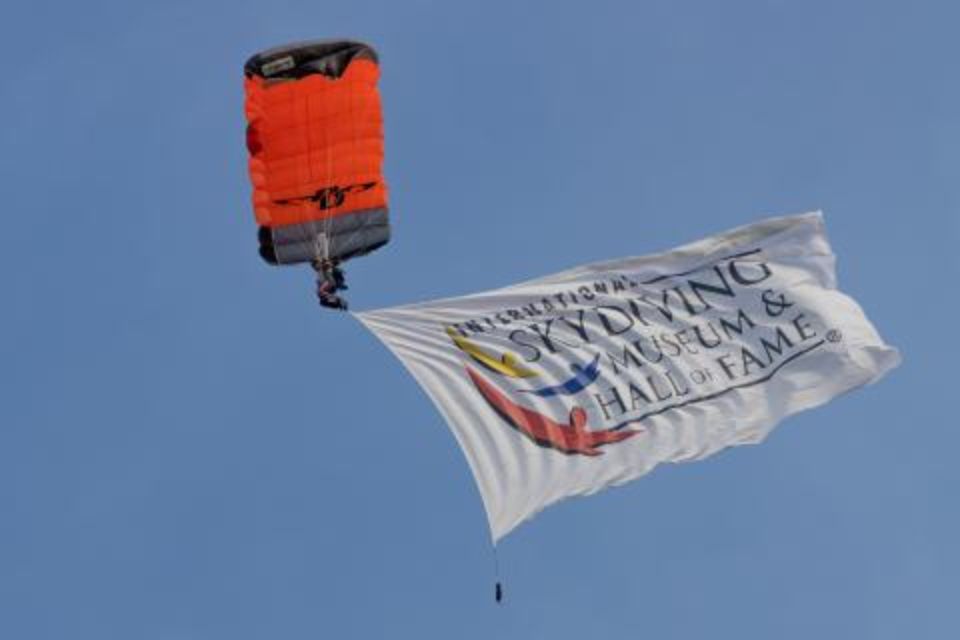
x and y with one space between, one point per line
323 244
348 237
498 585
329 277
327 184
320 242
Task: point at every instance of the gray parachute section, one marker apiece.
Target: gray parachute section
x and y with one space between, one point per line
340 238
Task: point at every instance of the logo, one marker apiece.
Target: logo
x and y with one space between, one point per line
656 346
330 197
571 435
506 364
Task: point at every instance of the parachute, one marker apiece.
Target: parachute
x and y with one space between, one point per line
315 142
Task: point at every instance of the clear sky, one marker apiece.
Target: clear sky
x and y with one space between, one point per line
191 449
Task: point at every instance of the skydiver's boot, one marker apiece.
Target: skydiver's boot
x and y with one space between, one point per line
329 299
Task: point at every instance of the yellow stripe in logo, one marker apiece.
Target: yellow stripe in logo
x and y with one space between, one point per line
506 365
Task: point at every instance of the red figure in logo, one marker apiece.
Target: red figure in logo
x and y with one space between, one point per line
572 438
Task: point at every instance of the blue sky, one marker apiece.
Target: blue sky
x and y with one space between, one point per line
191 449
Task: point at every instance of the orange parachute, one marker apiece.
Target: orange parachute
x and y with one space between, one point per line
315 138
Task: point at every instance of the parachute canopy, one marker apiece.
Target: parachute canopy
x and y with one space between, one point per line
315 138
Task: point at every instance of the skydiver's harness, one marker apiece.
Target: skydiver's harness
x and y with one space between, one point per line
330 278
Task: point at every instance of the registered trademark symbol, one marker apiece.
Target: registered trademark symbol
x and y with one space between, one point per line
834 335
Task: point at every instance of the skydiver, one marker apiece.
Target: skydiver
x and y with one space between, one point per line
330 280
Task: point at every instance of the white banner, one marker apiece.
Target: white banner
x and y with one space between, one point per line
589 378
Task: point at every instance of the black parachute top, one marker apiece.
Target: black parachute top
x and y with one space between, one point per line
293 61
